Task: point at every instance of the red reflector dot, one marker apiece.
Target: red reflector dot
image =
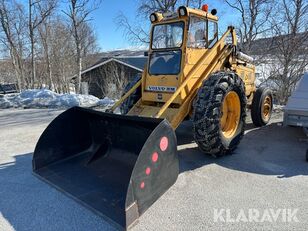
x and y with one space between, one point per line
142 185
154 156
148 171
163 143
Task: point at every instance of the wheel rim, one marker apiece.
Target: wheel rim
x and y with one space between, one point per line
231 111
267 108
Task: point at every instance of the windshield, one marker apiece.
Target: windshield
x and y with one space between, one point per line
165 63
168 35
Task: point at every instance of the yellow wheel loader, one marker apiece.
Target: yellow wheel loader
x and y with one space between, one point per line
119 165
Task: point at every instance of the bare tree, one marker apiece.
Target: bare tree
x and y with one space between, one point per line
79 14
44 39
108 80
135 33
89 44
39 11
290 56
41 45
138 33
146 7
149 6
62 51
253 21
7 72
13 35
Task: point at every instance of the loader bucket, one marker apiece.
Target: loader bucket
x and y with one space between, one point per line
116 165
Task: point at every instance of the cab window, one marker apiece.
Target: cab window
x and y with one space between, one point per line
167 36
212 33
202 33
196 33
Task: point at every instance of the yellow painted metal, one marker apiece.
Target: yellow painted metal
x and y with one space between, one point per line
145 110
190 75
165 80
247 74
159 16
267 108
231 111
196 66
201 13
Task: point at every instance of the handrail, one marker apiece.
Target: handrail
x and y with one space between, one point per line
124 97
192 71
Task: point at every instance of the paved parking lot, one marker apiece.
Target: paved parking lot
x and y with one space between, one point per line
267 171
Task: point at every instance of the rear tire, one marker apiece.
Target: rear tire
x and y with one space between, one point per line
307 155
212 131
261 108
133 98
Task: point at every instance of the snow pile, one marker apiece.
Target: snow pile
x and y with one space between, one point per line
106 101
278 108
44 98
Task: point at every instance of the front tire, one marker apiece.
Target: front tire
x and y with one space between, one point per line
219 113
262 106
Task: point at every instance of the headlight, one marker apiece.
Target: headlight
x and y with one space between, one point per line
182 11
153 17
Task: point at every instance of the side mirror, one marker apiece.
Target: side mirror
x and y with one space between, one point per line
146 53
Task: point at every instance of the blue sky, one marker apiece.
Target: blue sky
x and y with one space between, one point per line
110 37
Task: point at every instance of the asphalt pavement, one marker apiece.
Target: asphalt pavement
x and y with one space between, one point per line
267 174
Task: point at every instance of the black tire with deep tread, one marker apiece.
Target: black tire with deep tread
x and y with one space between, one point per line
207 113
133 98
257 104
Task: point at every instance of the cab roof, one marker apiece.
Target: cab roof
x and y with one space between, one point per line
175 16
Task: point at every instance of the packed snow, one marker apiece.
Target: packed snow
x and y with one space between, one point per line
43 98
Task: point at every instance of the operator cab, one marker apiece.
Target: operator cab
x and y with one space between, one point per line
178 40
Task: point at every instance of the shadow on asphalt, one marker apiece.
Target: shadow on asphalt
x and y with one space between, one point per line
26 203
19 118
30 205
270 150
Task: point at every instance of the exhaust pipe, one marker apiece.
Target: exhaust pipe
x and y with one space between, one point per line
244 57
116 165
